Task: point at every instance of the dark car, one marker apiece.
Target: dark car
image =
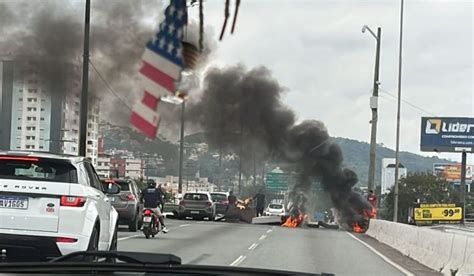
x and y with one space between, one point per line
197 205
221 201
127 203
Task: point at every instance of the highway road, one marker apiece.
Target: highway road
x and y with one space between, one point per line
264 246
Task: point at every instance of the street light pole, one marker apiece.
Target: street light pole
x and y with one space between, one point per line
397 147
85 84
181 151
374 106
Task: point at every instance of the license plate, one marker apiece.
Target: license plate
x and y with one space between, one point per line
146 219
194 212
13 202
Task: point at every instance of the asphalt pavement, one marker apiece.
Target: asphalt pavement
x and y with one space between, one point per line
264 246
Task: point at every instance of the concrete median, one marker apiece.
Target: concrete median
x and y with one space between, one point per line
438 250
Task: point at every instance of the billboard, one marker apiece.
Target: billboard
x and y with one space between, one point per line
447 134
438 213
451 172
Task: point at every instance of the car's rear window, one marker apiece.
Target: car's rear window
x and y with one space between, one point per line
196 196
276 206
218 197
37 169
124 185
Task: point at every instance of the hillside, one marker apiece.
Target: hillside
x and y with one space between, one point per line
356 153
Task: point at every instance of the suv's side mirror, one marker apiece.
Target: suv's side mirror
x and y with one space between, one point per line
112 189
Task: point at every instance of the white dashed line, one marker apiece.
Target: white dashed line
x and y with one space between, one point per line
200 222
238 261
269 230
262 237
127 238
253 246
184 225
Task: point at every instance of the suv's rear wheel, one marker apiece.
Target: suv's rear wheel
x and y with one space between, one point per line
133 225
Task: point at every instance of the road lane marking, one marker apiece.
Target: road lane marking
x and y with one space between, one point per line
128 237
238 261
184 225
253 246
200 222
262 237
386 259
269 230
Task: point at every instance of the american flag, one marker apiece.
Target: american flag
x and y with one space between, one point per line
162 66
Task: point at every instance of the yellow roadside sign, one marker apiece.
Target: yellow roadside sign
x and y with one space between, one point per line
438 212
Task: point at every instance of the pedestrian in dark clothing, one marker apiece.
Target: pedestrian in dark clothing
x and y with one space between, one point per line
260 199
232 198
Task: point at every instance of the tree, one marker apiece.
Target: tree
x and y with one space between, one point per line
418 187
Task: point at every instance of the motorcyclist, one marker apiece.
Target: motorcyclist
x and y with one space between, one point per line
152 197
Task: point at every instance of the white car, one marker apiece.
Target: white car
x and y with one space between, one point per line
52 205
275 209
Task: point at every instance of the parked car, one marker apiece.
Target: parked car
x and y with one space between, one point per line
197 205
275 209
52 205
221 202
127 202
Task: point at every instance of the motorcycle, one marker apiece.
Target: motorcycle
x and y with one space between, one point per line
151 224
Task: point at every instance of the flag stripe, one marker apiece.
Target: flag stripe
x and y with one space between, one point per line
153 88
157 76
176 60
158 61
147 113
143 125
150 100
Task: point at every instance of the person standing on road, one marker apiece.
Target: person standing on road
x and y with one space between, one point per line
372 198
260 198
232 198
152 197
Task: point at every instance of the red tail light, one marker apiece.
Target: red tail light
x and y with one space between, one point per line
147 212
129 196
182 203
73 201
65 240
209 203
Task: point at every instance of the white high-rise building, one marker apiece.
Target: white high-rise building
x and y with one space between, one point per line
388 174
36 116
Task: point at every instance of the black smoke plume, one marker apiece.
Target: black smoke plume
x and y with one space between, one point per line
241 110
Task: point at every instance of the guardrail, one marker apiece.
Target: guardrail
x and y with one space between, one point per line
441 251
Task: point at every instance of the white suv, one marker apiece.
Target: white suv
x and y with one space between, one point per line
52 205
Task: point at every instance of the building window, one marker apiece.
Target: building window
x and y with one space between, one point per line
19 128
42 109
31 128
20 99
31 109
32 91
41 147
32 100
30 138
31 119
42 118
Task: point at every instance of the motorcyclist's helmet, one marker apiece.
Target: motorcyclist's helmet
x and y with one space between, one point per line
151 183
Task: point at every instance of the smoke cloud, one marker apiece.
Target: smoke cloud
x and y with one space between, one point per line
241 110
51 34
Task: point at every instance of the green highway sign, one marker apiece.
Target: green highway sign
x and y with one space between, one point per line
277 181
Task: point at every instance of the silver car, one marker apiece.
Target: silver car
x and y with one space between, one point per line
197 205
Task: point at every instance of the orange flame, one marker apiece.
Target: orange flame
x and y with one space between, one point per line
294 221
370 213
357 228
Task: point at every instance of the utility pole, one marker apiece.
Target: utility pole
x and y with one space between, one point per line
181 151
85 84
219 180
397 147
462 187
374 106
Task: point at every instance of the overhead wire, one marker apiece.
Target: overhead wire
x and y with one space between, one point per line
407 102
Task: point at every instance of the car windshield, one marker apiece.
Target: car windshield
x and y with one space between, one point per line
318 136
196 197
36 169
218 197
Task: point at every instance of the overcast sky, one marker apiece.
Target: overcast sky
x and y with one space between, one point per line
317 50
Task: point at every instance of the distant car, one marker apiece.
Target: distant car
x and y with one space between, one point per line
221 202
197 205
275 209
53 205
127 202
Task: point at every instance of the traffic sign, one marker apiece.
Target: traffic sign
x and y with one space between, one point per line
277 181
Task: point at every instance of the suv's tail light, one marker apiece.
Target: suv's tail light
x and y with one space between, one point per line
128 196
73 201
209 203
65 240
